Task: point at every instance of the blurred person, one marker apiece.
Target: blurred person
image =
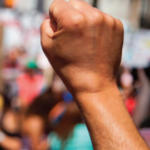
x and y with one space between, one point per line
33 130
146 135
10 127
126 78
126 85
143 98
30 84
142 113
23 58
1 106
11 88
85 50
10 137
11 123
10 71
11 62
47 70
30 129
9 143
69 131
1 3
35 122
42 104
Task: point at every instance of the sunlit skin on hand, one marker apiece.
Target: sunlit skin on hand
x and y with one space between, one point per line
84 46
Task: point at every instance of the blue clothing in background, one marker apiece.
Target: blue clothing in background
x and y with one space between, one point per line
67 97
80 140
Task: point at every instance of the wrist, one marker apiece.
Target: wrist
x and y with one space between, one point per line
107 88
109 95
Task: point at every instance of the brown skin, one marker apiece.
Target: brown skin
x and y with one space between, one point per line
79 48
84 46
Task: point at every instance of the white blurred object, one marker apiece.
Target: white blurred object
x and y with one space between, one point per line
42 61
44 64
2 136
136 51
6 15
46 5
22 29
89 1
26 5
126 79
116 8
12 36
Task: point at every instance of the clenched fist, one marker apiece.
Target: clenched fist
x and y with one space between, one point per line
83 44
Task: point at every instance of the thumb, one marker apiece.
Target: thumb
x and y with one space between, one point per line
47 31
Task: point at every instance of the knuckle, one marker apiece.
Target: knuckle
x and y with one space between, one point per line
77 21
119 25
111 22
97 18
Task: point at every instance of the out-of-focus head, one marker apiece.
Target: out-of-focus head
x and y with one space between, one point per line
32 124
64 117
126 78
10 122
31 66
14 53
34 130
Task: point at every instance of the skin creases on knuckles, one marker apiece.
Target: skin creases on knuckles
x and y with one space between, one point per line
76 22
96 18
80 21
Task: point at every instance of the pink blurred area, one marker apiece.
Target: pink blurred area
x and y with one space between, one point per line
146 135
29 88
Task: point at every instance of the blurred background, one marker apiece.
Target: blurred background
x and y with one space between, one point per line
36 110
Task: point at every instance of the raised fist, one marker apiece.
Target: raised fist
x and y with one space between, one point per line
83 44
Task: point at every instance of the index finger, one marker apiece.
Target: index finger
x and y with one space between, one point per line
63 12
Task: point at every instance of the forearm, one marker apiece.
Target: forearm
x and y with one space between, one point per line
108 121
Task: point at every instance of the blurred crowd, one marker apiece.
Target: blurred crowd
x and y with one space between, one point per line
37 112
